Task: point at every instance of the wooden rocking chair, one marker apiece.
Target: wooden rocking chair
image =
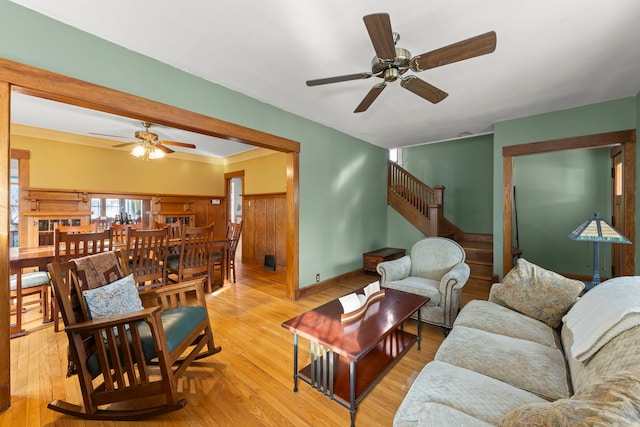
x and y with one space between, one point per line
135 379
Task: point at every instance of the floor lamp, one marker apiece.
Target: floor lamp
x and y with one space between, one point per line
597 230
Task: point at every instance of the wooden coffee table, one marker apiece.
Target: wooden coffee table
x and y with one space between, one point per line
372 344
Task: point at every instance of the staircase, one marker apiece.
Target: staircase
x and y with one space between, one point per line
423 207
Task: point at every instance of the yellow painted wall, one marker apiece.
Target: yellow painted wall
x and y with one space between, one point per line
61 165
266 174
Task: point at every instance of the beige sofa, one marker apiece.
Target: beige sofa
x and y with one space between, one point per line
499 366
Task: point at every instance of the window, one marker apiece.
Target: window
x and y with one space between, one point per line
14 203
110 207
395 155
96 205
618 179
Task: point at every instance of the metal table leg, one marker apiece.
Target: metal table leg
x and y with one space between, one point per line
295 362
352 392
419 324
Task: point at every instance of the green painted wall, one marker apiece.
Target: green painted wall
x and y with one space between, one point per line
339 220
587 120
402 234
465 168
555 193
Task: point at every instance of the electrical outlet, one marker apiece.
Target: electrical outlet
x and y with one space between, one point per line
317 277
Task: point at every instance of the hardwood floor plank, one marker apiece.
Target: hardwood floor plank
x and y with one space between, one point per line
249 383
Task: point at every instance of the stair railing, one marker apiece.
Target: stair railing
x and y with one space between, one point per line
427 201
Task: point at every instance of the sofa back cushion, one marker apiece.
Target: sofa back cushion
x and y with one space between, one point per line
536 292
619 355
603 313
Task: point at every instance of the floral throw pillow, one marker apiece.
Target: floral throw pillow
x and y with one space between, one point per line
536 292
118 297
613 401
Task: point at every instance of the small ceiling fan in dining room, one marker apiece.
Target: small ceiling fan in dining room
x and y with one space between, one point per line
392 62
148 144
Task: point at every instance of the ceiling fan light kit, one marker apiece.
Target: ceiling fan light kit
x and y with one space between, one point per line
149 147
147 151
391 62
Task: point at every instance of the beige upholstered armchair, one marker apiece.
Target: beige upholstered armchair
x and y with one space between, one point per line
435 268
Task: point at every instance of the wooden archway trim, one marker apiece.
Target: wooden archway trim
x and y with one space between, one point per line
56 87
625 138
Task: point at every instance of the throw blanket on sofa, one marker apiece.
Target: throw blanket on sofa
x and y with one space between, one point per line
603 313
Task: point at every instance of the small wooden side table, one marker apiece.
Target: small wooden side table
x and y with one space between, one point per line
373 258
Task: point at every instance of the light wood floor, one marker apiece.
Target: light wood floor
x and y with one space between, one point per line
248 384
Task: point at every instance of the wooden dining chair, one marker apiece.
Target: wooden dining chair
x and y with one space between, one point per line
102 223
175 232
119 233
234 238
148 250
131 378
234 229
195 255
175 229
33 283
71 245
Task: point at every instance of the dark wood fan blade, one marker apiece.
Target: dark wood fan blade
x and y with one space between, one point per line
126 144
465 49
337 79
371 96
423 89
110 136
178 144
165 149
379 28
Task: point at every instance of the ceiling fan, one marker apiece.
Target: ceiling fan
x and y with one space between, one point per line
391 62
148 146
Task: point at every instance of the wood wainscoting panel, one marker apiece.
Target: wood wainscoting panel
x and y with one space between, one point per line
264 228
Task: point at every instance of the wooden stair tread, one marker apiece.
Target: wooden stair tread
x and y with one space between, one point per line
479 262
479 246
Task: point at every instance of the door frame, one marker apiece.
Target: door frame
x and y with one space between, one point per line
617 251
625 138
227 188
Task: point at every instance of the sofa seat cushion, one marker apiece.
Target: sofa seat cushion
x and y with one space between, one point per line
419 286
495 318
528 365
448 395
613 401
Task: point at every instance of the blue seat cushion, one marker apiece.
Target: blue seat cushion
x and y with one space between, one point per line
173 262
30 280
178 323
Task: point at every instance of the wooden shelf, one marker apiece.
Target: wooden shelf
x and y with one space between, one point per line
369 370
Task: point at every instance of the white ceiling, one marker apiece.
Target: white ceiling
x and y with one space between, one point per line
550 55
42 113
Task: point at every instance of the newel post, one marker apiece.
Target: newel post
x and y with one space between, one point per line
438 195
436 211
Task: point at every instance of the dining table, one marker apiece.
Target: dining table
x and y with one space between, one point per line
38 257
